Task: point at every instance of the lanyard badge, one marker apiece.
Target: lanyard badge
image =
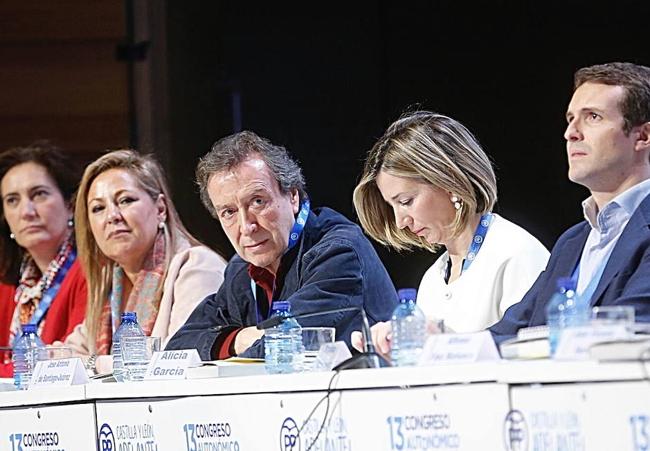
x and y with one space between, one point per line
477 240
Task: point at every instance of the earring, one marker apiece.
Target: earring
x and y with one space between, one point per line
12 236
161 225
70 223
456 201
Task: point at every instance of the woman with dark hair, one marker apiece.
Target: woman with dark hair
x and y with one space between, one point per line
42 280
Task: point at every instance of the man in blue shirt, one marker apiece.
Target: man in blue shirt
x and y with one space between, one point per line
314 258
608 148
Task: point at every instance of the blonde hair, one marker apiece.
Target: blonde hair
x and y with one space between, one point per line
99 268
430 148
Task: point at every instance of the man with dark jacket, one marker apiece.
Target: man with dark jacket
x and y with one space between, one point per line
314 258
608 148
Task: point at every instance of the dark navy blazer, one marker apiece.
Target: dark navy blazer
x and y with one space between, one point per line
625 280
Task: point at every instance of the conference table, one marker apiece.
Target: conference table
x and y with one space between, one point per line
504 405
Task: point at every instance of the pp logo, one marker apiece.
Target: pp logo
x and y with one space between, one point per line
289 436
515 431
106 438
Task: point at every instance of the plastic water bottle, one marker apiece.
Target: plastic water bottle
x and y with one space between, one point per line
26 352
409 329
564 310
128 327
283 349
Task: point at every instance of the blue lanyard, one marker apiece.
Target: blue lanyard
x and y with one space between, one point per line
299 225
51 292
477 241
294 236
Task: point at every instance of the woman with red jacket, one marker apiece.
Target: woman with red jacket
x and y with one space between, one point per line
41 279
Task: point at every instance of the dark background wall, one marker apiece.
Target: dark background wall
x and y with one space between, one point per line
326 80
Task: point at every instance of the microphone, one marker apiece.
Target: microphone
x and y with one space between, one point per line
276 320
366 359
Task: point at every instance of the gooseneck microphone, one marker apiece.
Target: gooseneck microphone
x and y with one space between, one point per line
366 359
276 320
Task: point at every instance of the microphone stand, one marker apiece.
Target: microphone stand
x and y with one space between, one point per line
366 359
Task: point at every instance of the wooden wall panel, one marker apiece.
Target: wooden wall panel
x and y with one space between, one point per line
85 136
59 77
78 79
65 20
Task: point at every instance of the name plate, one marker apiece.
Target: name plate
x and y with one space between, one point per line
59 372
459 348
575 342
171 364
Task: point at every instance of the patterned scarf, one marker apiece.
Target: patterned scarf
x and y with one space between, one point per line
33 285
142 298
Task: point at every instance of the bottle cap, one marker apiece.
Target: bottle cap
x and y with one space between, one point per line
280 306
132 316
566 283
28 328
407 293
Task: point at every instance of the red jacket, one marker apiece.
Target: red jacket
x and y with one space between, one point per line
68 309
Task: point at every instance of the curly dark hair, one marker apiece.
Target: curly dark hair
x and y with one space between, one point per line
232 150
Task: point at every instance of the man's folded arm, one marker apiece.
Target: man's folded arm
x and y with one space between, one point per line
207 328
331 279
